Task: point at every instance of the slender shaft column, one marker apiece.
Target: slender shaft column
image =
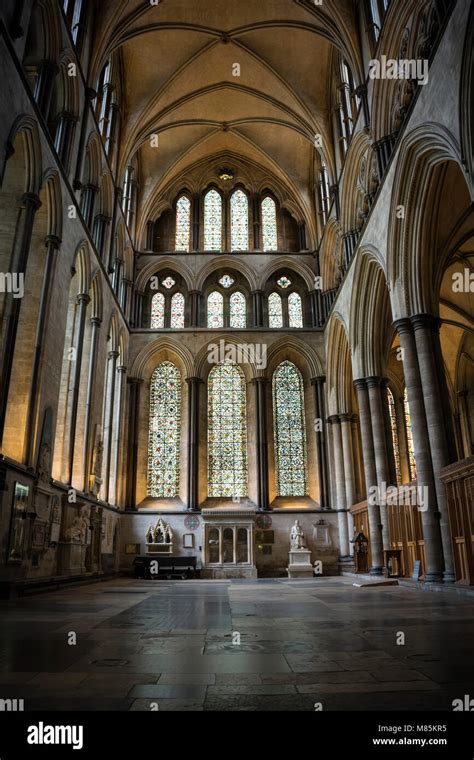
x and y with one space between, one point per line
82 301
370 473
88 203
109 417
196 221
257 308
63 139
392 470
89 96
53 244
358 469
95 331
262 447
321 441
117 448
138 308
150 232
101 224
132 461
256 222
340 485
194 309
302 236
426 331
346 431
193 442
30 203
421 442
380 450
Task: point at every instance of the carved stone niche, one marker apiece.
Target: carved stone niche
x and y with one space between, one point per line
229 534
159 538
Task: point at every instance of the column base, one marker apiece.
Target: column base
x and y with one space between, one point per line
375 570
436 576
449 577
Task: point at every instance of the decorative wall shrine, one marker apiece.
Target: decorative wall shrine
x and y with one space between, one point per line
159 539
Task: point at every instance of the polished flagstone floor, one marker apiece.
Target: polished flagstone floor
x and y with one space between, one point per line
237 645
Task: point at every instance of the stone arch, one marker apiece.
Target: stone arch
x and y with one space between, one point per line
226 262
154 267
24 147
339 367
52 185
359 185
291 264
297 351
331 256
204 360
162 349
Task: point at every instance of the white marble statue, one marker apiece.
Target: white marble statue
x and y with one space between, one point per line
77 532
297 540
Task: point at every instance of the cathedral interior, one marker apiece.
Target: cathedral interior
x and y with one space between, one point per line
236 354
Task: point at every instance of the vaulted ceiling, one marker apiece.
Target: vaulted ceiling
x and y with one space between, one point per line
178 81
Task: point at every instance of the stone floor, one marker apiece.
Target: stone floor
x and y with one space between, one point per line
175 646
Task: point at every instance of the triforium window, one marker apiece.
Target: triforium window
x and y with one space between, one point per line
215 309
295 310
275 310
269 225
212 221
411 448
164 431
238 310
239 221
158 311
177 311
227 431
289 431
393 425
183 223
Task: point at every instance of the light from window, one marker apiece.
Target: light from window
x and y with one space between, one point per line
275 310
183 224
158 311
289 431
295 310
215 310
212 221
177 311
411 448
238 316
164 431
227 432
239 225
269 225
393 425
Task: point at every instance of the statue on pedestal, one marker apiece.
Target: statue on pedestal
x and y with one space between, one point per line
297 540
77 532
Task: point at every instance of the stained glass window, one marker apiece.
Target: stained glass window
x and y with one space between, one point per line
289 431
168 283
239 221
215 310
411 448
284 282
158 311
227 431
295 310
226 281
393 425
269 225
177 311
275 310
212 221
164 431
238 310
183 223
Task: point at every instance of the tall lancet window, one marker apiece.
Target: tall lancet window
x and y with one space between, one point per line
269 225
289 431
295 310
157 311
393 424
410 446
215 310
183 224
177 311
212 221
275 310
238 309
239 221
227 431
164 431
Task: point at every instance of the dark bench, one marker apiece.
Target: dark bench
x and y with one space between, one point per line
168 566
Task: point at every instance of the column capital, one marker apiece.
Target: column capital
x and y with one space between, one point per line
334 419
422 321
258 292
195 292
53 241
97 321
259 379
113 354
360 384
190 380
373 382
83 298
32 200
403 326
345 417
121 368
319 380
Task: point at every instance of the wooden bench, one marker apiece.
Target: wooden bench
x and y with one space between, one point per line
168 567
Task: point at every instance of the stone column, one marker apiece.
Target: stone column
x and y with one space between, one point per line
95 331
340 485
150 230
358 469
346 430
257 308
82 302
117 453
195 296
260 384
30 203
370 477
426 331
421 442
302 236
256 222
321 441
63 140
108 417
89 96
380 450
88 202
101 224
138 309
132 444
53 244
196 221
193 442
